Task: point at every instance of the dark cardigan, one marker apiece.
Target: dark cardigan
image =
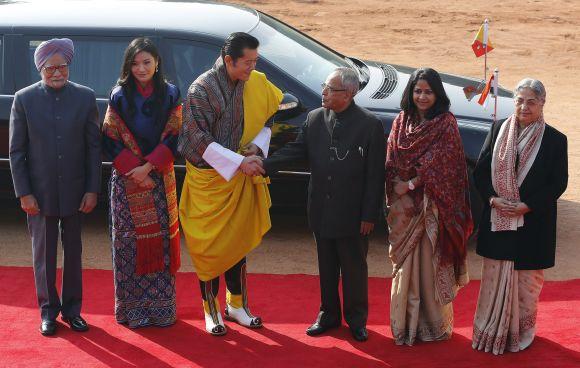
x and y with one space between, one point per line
532 246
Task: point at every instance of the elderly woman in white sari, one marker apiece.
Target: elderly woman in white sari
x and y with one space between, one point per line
521 172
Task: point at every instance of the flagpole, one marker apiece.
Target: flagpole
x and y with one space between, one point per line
485 38
495 84
485 62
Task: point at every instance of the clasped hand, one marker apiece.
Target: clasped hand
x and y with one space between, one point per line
252 164
509 208
140 176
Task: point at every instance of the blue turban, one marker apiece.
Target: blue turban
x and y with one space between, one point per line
46 49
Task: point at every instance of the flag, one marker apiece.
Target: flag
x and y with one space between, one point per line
481 39
485 92
471 91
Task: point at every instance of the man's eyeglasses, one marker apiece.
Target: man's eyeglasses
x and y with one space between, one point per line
53 68
331 89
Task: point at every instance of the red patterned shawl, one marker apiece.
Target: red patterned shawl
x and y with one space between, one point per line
433 151
141 202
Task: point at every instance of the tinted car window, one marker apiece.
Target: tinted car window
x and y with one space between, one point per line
191 59
96 63
296 54
1 64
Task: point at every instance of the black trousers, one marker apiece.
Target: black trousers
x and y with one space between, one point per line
346 256
235 276
44 231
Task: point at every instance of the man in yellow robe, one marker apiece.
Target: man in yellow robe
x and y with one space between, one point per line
224 206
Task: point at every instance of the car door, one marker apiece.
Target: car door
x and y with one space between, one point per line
6 98
5 104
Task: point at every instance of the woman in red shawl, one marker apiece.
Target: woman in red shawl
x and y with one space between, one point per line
429 215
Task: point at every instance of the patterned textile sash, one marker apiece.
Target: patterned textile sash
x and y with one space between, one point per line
405 233
507 307
433 150
511 147
141 203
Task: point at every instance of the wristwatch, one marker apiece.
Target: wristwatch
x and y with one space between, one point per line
411 185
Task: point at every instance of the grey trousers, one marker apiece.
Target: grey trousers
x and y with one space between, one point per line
44 231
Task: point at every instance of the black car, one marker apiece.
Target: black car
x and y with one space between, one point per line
189 36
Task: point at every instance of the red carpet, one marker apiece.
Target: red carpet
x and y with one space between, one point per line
288 304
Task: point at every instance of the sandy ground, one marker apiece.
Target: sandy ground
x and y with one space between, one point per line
537 38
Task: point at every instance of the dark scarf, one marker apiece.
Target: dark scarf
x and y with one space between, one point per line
433 151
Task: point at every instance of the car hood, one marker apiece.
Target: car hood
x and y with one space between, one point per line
387 82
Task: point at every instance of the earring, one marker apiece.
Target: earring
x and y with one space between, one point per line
157 68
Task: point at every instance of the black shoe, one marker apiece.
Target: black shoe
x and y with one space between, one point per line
76 323
360 334
317 328
47 327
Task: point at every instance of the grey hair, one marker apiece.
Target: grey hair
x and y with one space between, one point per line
349 79
535 85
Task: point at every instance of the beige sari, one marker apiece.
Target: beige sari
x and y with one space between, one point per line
506 307
422 289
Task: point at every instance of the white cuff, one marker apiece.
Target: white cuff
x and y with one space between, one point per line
262 140
223 160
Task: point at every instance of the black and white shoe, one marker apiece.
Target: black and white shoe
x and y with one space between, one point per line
216 329
242 316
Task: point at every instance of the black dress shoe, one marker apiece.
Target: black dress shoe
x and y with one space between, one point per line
76 323
360 334
47 327
317 328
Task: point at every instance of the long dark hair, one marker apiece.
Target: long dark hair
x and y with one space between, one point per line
430 76
127 81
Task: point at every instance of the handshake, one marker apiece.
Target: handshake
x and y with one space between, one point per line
252 164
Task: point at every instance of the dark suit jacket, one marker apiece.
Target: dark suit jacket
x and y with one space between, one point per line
346 182
532 246
55 149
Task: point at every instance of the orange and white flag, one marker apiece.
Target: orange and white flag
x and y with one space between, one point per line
490 83
482 44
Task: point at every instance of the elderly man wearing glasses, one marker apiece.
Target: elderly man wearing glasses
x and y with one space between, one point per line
345 147
55 158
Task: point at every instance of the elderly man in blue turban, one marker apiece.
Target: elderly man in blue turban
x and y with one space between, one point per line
55 159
